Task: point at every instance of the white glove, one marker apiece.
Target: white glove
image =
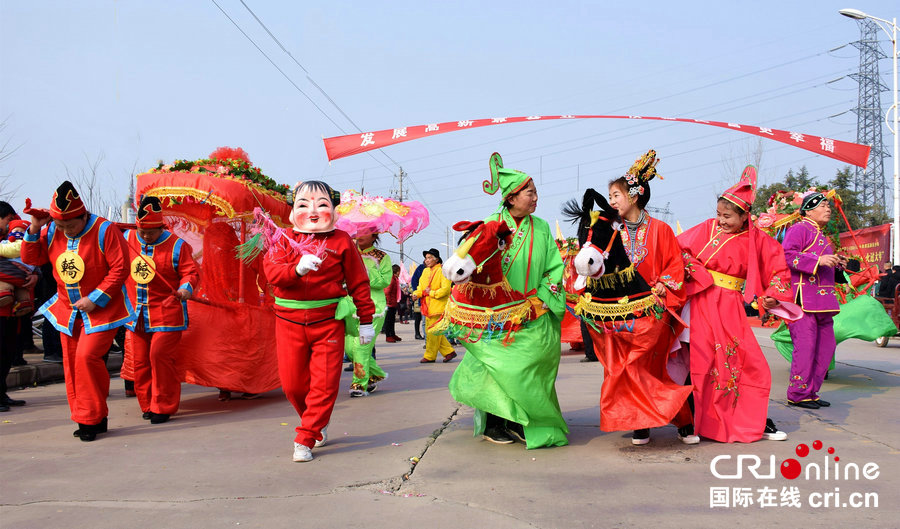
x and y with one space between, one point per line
366 333
306 263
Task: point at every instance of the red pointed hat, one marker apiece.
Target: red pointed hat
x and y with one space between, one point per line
66 203
149 213
743 193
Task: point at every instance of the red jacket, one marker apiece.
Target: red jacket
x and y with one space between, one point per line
342 272
101 249
156 301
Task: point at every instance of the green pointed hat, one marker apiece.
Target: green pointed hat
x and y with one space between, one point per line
507 181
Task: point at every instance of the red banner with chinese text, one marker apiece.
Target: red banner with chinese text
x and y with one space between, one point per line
342 146
874 244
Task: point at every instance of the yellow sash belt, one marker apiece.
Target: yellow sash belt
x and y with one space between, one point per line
726 281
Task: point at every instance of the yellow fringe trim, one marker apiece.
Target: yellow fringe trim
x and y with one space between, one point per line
222 205
610 311
479 318
466 288
611 279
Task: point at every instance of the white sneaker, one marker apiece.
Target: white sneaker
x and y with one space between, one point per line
356 392
690 439
777 435
324 439
302 453
772 433
687 436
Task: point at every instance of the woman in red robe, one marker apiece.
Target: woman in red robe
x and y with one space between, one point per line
637 393
730 375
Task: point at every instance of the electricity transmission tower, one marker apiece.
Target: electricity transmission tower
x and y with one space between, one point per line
870 182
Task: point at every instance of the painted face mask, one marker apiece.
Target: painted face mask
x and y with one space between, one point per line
313 211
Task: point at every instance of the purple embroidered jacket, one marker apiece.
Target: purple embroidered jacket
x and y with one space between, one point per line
813 284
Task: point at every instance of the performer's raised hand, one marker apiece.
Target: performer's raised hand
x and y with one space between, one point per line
366 333
307 263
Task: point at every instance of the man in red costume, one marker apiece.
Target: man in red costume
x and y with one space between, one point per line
159 261
313 267
89 263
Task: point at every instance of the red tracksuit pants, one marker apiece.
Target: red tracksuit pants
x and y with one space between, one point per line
309 363
87 379
156 381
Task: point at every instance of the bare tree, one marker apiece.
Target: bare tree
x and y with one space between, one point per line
751 152
100 194
7 191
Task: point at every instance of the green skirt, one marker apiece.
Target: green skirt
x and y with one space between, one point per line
516 381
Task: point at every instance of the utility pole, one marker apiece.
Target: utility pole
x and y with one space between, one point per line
870 182
400 199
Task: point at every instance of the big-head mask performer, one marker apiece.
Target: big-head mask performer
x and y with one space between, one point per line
90 266
310 307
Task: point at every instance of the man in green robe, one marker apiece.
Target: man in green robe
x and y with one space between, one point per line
512 387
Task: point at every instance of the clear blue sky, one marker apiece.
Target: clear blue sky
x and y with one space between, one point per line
135 82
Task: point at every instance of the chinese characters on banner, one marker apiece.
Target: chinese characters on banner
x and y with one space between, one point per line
874 244
342 146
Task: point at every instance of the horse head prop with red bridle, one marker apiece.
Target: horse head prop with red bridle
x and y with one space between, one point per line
482 303
614 291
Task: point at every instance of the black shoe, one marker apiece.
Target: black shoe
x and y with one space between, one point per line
158 418
515 430
586 359
419 337
101 427
88 432
19 362
497 436
11 402
3 407
146 415
808 404
641 437
820 402
54 359
349 368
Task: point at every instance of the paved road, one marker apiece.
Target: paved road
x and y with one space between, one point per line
228 464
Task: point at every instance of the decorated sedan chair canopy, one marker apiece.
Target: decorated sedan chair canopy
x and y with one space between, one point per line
210 203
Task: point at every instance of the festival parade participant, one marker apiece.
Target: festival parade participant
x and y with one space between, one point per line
160 261
366 371
433 291
513 387
814 271
729 372
637 392
313 267
90 265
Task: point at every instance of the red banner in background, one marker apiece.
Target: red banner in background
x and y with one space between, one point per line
874 244
341 146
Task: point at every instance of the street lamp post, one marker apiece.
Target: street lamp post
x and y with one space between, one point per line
859 15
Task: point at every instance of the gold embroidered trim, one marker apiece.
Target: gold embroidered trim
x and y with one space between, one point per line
611 279
610 311
485 318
